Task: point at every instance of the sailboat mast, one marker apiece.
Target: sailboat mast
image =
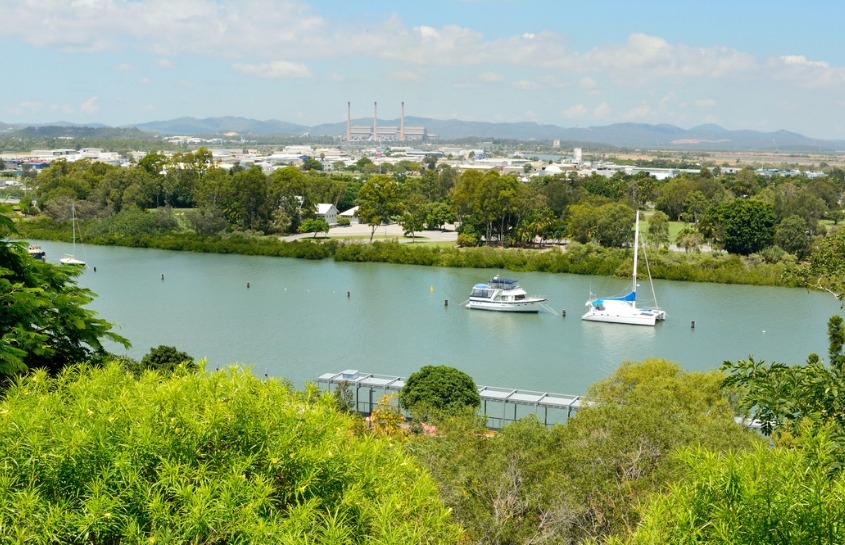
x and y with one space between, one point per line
636 248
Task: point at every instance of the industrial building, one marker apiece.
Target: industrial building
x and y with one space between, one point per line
380 133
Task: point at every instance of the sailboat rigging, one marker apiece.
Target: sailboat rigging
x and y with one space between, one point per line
71 259
623 309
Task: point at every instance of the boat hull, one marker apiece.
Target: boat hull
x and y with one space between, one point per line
641 317
70 260
526 306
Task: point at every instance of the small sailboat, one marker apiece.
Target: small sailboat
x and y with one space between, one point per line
623 309
71 259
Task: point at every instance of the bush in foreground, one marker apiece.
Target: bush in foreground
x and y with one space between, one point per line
97 456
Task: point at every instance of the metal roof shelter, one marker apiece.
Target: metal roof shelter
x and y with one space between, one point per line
514 403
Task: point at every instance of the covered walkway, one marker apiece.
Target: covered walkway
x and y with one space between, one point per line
501 406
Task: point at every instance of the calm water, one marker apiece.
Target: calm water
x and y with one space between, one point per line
296 321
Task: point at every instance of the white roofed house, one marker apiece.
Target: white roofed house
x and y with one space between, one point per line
328 212
352 214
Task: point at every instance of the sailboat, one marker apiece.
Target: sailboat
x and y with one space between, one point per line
623 309
71 259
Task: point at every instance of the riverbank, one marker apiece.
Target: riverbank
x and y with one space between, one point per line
590 259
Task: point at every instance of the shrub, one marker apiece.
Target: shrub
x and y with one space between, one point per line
98 456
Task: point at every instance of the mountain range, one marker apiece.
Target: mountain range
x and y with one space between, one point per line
618 135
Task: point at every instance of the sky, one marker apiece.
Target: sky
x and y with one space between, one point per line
750 64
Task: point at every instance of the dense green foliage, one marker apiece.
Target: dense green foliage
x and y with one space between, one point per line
99 456
166 358
43 319
440 388
773 496
827 266
743 226
585 479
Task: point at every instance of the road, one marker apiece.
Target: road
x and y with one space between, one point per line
384 232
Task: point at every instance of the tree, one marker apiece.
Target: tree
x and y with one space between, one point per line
616 225
791 235
695 205
202 458
311 163
166 358
44 322
783 397
748 226
414 216
672 197
618 448
689 239
658 229
153 163
582 222
314 225
378 201
439 388
248 205
827 265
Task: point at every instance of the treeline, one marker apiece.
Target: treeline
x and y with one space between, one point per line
741 212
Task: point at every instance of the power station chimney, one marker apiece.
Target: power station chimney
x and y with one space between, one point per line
375 120
402 124
348 121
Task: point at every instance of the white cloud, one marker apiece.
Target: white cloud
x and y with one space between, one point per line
602 111
804 61
804 73
588 84
573 112
643 58
164 63
406 76
90 106
526 85
124 67
275 69
490 77
640 112
705 103
26 107
145 81
210 27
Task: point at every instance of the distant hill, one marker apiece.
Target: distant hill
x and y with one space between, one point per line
80 131
619 135
217 126
626 135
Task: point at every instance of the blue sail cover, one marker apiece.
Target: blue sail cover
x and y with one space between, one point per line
630 297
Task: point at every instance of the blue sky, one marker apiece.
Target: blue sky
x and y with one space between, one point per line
762 65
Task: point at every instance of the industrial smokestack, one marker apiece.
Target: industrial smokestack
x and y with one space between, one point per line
375 120
402 123
348 121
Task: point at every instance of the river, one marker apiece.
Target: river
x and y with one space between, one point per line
298 319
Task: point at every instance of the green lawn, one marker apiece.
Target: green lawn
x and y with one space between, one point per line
675 227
